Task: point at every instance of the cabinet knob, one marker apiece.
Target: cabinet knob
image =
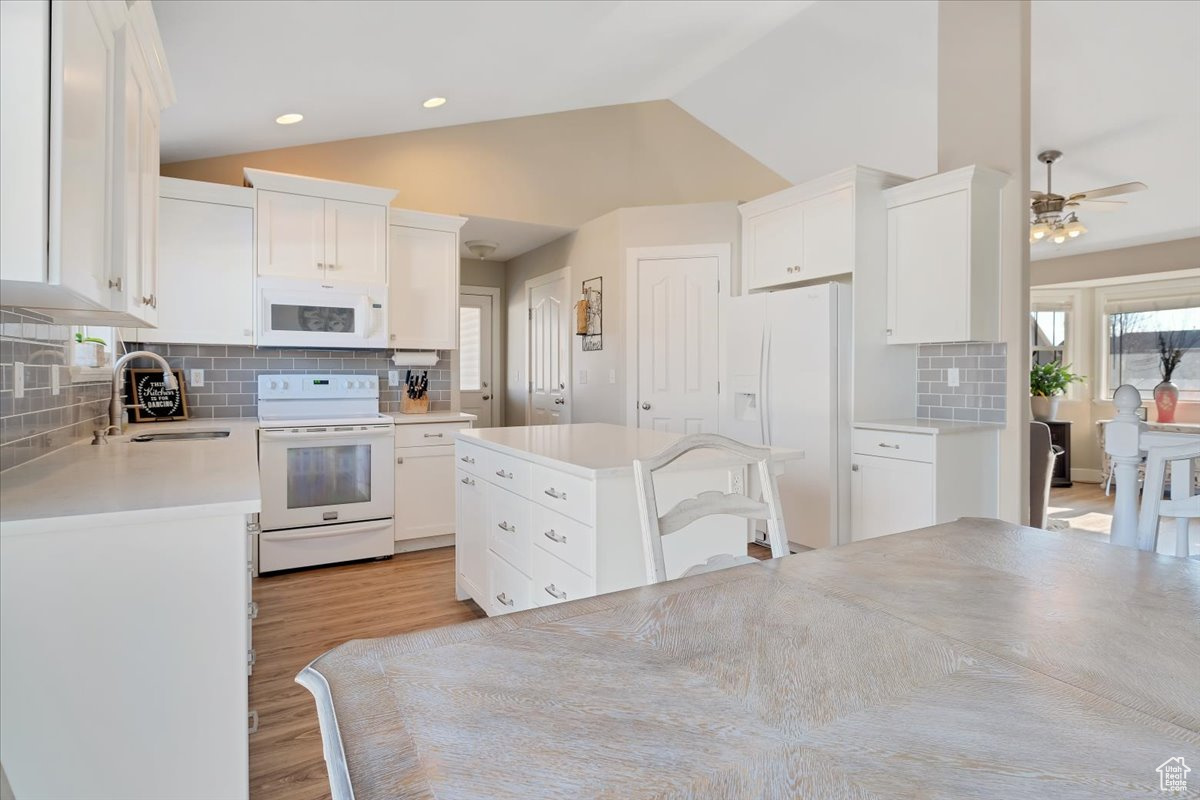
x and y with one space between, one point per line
854 467
115 284
399 459
320 265
645 406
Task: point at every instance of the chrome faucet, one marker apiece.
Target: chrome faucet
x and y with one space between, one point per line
117 406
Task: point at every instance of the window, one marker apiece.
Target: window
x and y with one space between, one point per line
470 319
1048 335
1137 332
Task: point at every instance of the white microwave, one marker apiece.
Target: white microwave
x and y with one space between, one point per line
294 313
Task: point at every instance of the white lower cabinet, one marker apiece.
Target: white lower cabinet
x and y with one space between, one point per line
425 488
540 535
903 480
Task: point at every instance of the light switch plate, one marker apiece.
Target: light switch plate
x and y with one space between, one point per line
952 376
612 376
393 377
196 377
582 377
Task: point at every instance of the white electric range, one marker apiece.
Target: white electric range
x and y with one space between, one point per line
326 465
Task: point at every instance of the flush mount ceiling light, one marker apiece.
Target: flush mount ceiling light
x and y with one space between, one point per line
434 102
289 119
1053 217
481 248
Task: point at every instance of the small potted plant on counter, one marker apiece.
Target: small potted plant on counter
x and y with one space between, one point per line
1047 383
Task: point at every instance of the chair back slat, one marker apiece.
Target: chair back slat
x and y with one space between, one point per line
1184 504
706 504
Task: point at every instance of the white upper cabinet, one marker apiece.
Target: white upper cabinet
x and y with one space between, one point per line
355 242
81 86
423 261
944 257
205 291
807 232
291 235
317 230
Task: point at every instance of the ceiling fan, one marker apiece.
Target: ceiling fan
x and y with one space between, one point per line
1055 217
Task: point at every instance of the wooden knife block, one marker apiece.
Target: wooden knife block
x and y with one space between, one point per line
409 405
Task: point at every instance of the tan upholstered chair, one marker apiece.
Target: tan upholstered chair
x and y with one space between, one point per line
1042 455
706 504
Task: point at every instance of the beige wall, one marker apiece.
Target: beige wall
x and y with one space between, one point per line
474 272
983 118
598 249
555 169
1141 260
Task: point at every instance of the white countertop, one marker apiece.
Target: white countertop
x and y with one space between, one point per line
432 416
927 426
592 449
127 481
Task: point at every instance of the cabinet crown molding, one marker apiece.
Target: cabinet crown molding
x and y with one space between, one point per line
317 187
850 176
204 192
425 219
970 177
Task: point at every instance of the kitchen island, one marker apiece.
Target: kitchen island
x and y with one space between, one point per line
974 659
548 513
125 615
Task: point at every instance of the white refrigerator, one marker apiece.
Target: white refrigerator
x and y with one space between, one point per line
787 368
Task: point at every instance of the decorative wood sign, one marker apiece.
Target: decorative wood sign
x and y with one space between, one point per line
592 303
153 401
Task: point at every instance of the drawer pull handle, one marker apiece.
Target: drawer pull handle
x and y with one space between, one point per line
556 494
555 537
467 460
468 481
890 446
557 594
504 474
504 526
433 436
505 600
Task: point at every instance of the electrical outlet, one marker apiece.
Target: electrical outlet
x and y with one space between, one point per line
583 377
952 376
196 377
55 379
18 380
737 485
393 377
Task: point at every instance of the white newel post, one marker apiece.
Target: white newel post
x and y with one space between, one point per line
1121 441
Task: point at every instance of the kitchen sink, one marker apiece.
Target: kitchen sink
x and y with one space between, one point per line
178 436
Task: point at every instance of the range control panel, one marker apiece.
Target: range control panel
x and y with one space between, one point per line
317 387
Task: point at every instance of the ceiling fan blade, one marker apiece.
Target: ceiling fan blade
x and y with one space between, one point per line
1089 205
1109 191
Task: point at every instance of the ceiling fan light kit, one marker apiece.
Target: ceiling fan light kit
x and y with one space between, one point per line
1054 217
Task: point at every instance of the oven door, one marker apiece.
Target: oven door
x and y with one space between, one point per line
326 475
296 314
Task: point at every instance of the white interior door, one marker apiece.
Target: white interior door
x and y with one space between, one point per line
549 350
476 395
677 340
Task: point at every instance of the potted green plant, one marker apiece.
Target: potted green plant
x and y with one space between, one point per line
1047 383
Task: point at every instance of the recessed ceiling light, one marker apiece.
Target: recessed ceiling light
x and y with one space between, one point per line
434 102
289 119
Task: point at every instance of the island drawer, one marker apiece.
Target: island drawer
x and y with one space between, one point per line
427 433
892 444
471 458
556 581
511 473
508 589
509 526
570 540
566 494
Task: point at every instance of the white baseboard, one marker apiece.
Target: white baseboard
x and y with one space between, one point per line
426 543
1080 475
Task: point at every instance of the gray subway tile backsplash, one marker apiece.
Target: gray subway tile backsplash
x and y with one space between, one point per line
980 395
231 373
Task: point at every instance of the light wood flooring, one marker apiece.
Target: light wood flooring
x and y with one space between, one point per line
303 614
1082 508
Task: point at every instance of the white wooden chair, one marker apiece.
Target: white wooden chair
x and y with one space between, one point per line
1184 504
706 504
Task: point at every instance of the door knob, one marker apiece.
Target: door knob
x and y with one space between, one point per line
487 397
645 406
560 401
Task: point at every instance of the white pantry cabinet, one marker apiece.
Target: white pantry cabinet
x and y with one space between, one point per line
425 489
810 231
944 257
423 266
82 85
318 230
206 265
919 473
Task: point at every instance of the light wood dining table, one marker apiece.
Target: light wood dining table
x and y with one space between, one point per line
974 659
